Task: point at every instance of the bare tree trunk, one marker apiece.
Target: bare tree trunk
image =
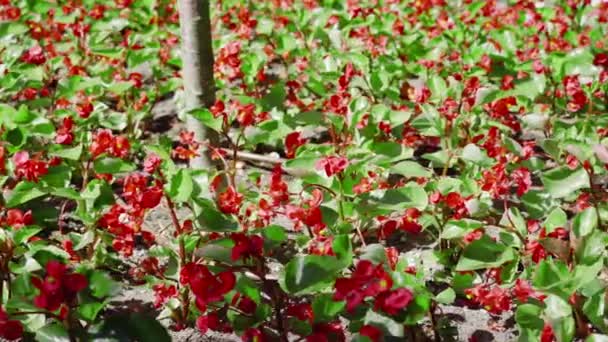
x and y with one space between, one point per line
197 69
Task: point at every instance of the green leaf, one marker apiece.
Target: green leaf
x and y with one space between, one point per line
387 324
374 252
16 136
484 253
112 165
23 193
180 186
591 248
595 309
212 219
446 296
274 233
438 88
455 229
131 327
53 332
562 181
306 274
408 196
557 218
472 153
585 222
275 98
23 116
102 285
89 311
553 277
410 169
23 234
207 118
71 153
325 308
513 217
529 316
97 194
559 313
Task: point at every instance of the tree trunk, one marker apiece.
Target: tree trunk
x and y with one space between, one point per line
197 70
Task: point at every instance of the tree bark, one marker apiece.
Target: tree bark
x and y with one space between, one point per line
197 70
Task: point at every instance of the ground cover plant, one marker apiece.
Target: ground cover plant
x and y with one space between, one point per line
377 162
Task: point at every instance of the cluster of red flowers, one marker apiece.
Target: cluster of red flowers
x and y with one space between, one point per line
9 329
125 221
369 280
408 222
332 165
58 288
496 299
309 214
64 134
246 246
30 169
105 142
17 219
206 286
578 98
35 55
503 110
536 250
293 140
338 103
188 147
229 201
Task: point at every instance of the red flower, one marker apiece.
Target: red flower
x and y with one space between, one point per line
278 187
152 163
64 133
136 78
202 324
371 332
30 169
35 55
293 140
332 165
206 286
9 329
393 301
246 246
366 281
547 335
253 335
58 287
84 110
244 303
494 299
457 203
138 194
327 332
601 60
230 201
105 142
162 293
17 219
522 178
392 256
473 235
212 322
523 291
301 311
246 115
